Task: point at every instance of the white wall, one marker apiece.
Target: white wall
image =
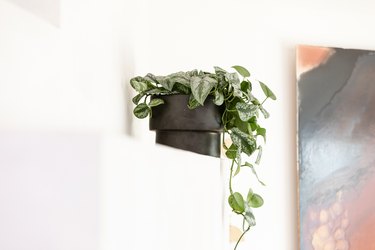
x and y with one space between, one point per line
262 36
71 76
75 191
149 202
49 191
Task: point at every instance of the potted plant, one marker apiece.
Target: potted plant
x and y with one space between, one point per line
239 109
197 130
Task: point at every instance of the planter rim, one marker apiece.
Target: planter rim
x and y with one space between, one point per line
197 130
174 114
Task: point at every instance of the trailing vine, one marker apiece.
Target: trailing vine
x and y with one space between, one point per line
239 119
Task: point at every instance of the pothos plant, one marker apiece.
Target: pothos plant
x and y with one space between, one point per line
239 119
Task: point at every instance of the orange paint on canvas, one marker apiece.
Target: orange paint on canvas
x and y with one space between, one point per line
363 237
309 57
362 218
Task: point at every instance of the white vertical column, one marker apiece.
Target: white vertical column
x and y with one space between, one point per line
156 197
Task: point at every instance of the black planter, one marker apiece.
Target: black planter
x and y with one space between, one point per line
198 130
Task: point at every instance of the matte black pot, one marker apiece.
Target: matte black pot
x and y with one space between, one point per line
198 130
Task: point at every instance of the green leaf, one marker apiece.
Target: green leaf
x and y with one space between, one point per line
241 125
219 98
254 126
219 70
193 103
231 152
246 111
156 91
267 91
156 102
236 202
238 169
254 172
246 86
222 82
180 77
259 156
248 164
192 73
250 193
151 78
234 82
264 112
165 82
201 87
253 119
139 84
262 132
141 111
255 201
180 88
243 141
137 98
242 71
249 216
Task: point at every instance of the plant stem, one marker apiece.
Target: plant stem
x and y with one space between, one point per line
264 101
241 237
223 141
230 177
229 96
223 117
232 99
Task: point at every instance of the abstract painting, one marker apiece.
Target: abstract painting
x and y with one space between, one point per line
336 148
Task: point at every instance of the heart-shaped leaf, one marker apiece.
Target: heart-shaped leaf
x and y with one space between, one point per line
231 152
246 111
192 73
255 201
219 70
180 77
249 216
219 98
201 87
267 91
249 193
180 88
243 141
151 78
165 82
246 86
234 82
193 103
242 71
137 98
156 102
139 84
236 202
142 110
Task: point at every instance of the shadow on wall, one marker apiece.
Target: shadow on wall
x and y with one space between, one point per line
127 62
48 10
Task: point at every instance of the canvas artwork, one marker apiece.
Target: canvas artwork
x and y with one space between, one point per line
336 148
